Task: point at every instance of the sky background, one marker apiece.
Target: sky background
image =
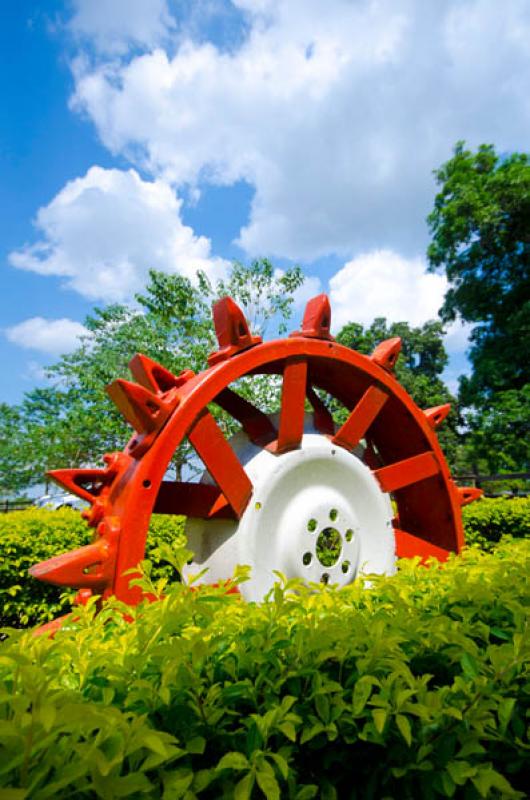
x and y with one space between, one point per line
181 135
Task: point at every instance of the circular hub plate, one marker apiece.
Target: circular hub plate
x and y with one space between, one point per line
316 513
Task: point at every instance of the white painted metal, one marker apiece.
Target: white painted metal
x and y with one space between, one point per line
296 496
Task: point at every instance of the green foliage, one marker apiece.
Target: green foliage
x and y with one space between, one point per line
481 237
27 537
422 348
498 439
416 686
418 369
489 519
16 472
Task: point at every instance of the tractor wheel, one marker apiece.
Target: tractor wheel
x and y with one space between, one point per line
283 485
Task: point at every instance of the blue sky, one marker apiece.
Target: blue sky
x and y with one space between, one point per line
179 135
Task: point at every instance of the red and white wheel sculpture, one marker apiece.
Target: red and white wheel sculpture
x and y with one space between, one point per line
269 492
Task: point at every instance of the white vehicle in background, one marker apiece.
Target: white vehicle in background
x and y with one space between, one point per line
54 502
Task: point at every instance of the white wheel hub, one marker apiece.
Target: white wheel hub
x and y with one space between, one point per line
316 513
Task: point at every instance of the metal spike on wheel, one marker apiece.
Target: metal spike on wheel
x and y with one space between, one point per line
270 491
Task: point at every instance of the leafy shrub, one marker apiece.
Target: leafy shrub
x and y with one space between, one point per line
27 537
487 520
415 687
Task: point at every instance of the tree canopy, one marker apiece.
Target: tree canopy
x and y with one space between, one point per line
480 229
498 437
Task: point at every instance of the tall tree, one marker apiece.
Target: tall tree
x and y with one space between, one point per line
480 229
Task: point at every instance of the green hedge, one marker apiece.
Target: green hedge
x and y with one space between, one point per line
487 520
417 687
27 537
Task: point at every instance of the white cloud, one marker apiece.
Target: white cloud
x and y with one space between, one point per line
384 284
335 113
114 25
50 336
104 231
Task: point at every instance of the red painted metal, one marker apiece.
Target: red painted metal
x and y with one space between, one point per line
193 500
408 546
53 626
155 377
468 494
232 331
361 417
437 414
386 353
89 567
164 410
221 462
254 422
317 319
410 470
292 411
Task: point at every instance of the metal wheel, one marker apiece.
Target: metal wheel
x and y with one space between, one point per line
269 492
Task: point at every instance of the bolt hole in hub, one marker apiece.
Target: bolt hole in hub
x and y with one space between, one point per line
321 516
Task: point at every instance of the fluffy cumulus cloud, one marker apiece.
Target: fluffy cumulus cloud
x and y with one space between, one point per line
384 284
103 232
51 336
336 113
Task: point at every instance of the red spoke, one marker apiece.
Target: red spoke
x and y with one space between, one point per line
221 462
254 422
360 419
410 546
193 500
292 411
322 418
410 470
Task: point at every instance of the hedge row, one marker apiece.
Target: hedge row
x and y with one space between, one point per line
487 520
27 537
415 687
